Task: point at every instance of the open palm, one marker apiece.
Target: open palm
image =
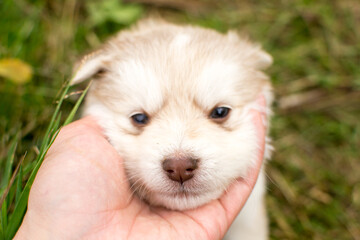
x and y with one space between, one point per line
81 192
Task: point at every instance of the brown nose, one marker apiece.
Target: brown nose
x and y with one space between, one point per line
180 169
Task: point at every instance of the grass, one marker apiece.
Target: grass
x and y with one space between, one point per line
314 180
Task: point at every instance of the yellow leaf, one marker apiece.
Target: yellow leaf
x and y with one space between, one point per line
15 70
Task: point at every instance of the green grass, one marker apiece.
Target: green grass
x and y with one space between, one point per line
314 180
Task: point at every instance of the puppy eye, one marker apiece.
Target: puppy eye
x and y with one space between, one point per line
219 113
140 119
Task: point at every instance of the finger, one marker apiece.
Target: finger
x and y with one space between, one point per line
88 123
82 151
81 129
238 193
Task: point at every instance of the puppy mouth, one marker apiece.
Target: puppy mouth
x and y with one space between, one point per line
182 192
181 199
179 191
176 196
182 195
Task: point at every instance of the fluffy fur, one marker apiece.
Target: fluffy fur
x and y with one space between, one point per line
177 75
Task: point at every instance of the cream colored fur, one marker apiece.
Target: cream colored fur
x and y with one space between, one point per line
177 75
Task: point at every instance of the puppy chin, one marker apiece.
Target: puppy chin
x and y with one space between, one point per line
182 201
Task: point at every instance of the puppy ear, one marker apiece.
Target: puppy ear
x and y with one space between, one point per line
261 59
258 58
89 66
254 56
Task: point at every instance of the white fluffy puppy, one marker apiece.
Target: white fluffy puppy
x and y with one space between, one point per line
174 102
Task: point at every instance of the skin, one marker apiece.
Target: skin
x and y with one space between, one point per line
81 192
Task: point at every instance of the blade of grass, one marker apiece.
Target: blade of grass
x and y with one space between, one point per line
19 184
5 186
27 168
50 135
11 188
54 116
4 200
76 107
9 162
20 207
1 233
3 217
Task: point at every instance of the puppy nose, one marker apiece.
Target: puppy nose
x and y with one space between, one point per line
180 169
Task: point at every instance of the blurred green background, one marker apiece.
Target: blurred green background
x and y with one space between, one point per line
314 177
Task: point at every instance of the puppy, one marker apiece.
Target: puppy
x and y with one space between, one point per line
174 101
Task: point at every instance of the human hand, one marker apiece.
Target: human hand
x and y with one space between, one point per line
81 192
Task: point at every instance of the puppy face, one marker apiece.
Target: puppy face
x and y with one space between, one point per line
174 102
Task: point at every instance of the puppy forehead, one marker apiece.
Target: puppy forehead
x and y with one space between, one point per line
208 83
181 40
181 66
217 83
139 84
